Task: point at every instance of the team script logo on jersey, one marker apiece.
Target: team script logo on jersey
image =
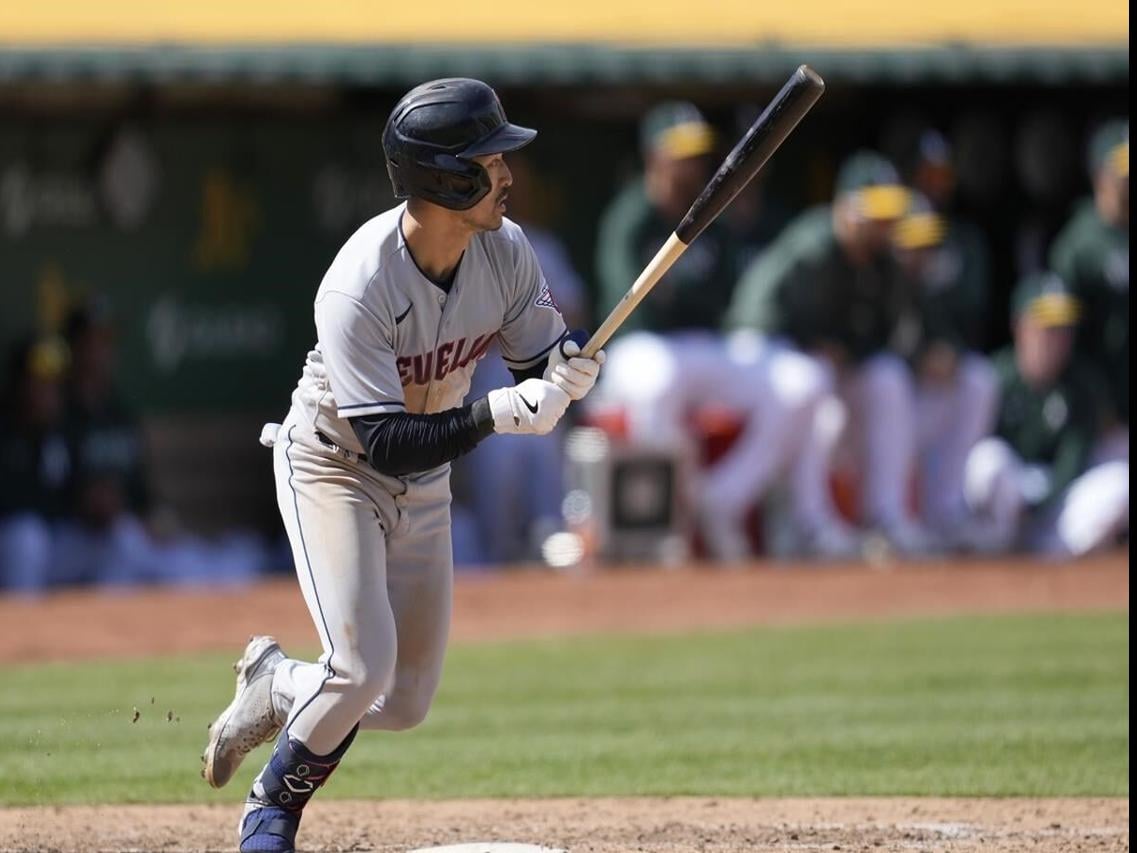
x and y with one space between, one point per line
442 361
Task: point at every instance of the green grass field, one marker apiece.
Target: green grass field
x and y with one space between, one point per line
984 706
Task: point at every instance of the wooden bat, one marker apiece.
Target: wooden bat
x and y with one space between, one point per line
751 153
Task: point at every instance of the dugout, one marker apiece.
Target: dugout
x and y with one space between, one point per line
200 169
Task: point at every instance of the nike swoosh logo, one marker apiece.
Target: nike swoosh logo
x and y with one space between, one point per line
530 406
403 316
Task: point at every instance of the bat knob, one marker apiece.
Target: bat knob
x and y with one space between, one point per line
578 336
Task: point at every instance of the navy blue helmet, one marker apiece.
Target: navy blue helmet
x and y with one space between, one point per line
435 131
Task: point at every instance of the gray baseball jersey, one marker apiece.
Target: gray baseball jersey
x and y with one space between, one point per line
390 340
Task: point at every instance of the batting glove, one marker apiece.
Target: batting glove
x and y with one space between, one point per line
571 372
531 408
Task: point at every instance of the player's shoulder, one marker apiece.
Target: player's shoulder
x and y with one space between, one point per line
1083 226
363 258
1006 367
810 234
629 210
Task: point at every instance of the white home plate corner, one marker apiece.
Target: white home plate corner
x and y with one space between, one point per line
490 847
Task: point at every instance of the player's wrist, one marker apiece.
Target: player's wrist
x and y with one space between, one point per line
502 414
482 414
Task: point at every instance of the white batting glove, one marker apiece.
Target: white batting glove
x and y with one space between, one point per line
571 372
531 408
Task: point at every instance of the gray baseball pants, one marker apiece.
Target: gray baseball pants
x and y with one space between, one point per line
374 561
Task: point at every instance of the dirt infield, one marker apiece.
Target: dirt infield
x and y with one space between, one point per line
529 604
609 825
541 603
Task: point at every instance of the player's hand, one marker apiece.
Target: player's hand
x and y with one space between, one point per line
531 408
571 372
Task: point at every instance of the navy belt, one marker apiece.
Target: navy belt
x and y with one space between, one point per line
350 455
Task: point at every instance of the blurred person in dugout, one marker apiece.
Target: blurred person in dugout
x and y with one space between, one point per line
956 387
104 540
1092 255
831 287
671 357
1033 484
524 511
35 464
117 533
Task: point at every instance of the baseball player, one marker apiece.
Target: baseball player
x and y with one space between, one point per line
408 306
672 357
1092 254
830 287
1033 483
956 389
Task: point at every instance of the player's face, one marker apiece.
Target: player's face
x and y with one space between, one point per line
673 183
876 235
1042 351
486 215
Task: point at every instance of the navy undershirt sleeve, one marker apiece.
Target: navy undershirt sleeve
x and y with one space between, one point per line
398 443
403 443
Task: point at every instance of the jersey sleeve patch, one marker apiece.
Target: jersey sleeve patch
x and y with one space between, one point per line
545 299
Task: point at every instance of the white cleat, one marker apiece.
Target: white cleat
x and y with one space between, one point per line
250 719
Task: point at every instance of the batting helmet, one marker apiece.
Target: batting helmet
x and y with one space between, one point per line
434 133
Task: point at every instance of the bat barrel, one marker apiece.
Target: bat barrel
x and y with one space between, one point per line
763 138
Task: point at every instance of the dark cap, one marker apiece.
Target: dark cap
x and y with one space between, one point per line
1045 297
1109 147
875 183
678 130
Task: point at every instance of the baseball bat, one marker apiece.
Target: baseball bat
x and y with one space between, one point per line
768 132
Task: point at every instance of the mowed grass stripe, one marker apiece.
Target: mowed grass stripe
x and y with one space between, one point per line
1033 706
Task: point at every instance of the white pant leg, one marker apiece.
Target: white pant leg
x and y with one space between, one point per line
777 391
951 418
420 579
1113 446
337 533
25 554
1092 513
879 396
993 492
643 372
810 491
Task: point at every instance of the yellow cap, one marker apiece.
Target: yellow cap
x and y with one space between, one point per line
690 139
1055 309
920 230
883 201
1119 159
47 358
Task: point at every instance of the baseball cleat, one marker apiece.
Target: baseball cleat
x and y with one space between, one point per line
268 829
250 719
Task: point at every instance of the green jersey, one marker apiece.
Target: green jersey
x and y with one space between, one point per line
804 287
34 468
955 284
1093 257
693 294
1052 428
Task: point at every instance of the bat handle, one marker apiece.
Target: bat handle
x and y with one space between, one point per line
652 273
600 337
